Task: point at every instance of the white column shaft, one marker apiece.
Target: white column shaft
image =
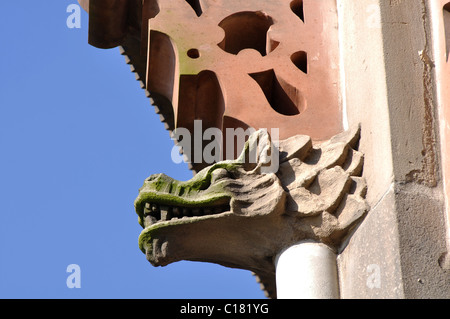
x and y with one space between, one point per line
307 271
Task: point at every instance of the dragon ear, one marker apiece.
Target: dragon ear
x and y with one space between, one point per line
298 146
350 137
260 153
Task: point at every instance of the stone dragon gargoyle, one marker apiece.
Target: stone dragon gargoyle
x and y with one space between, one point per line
241 64
239 214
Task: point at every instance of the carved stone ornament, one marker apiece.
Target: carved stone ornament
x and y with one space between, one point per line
237 65
238 213
297 67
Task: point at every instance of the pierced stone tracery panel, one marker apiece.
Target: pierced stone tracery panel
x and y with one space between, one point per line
276 64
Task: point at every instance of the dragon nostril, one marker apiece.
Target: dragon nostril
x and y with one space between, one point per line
152 178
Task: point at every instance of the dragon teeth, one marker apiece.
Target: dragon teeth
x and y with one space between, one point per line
187 212
150 220
146 212
176 212
166 213
154 213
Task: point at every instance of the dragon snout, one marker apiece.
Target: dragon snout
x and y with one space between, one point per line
159 183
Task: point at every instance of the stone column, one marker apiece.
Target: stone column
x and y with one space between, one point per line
390 66
307 270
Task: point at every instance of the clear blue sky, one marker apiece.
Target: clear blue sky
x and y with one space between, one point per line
77 139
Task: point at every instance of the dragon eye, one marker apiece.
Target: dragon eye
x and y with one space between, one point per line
218 174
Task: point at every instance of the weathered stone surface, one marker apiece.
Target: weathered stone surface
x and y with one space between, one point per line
402 241
369 266
398 248
440 15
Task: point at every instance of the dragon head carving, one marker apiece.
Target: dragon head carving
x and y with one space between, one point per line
240 214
